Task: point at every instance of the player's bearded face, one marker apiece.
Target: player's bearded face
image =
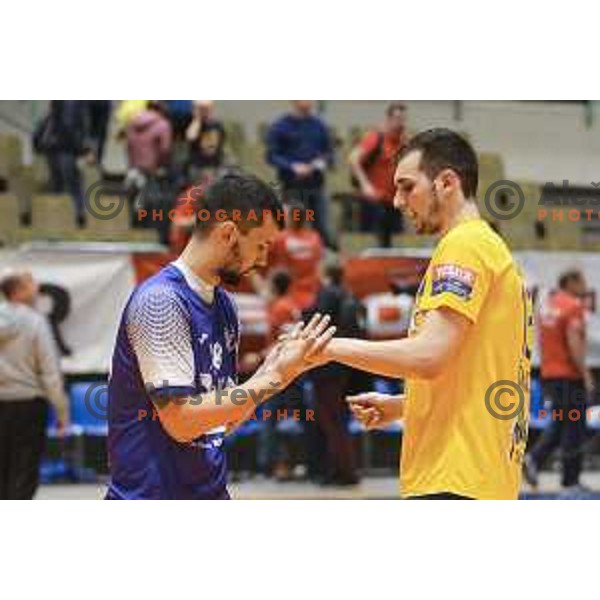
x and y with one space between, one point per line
417 196
429 220
231 273
247 252
419 200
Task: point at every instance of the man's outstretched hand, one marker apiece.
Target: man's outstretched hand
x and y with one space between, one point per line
300 349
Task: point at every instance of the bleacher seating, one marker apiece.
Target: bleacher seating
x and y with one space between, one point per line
56 220
52 215
9 219
11 154
115 228
491 167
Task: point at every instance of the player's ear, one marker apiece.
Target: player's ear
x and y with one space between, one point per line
449 179
228 233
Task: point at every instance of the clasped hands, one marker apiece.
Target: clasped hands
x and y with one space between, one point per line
300 349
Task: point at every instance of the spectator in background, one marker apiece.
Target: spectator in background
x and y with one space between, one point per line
566 380
332 382
98 117
126 112
180 114
149 140
62 137
298 249
206 138
299 147
29 375
373 162
273 453
283 310
149 180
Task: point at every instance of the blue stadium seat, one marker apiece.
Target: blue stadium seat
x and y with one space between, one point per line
354 427
88 406
51 422
536 405
249 428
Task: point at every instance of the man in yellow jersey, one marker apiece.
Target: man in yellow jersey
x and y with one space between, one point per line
466 360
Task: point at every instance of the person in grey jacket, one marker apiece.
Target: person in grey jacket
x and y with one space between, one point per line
30 376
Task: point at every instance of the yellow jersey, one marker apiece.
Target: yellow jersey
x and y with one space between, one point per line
465 433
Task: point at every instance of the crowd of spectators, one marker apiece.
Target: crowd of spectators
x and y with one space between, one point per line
172 144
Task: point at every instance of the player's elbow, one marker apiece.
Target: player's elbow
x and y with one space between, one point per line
176 432
429 367
179 425
175 429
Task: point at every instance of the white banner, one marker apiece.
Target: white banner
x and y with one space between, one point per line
97 285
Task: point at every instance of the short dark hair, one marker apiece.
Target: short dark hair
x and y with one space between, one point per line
444 149
281 281
568 276
239 191
393 107
11 282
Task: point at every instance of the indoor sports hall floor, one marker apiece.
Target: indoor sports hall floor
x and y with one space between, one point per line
370 488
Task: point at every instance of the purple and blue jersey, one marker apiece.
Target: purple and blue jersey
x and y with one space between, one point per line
178 337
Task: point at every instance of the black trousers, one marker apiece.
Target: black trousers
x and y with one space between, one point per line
22 438
65 178
331 385
383 219
567 428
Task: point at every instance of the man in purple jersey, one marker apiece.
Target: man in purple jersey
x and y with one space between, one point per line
172 391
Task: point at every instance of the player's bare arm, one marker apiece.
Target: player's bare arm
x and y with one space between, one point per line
315 328
355 159
186 418
422 356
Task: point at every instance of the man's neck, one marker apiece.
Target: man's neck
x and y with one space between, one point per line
467 211
198 259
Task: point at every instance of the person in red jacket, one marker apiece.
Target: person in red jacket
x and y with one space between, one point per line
565 379
373 163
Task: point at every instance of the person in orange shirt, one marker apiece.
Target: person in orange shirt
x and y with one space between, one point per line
283 310
298 249
565 379
373 163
